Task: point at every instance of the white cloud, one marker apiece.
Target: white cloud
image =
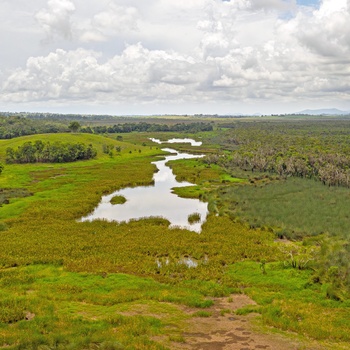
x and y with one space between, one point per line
56 18
135 74
115 20
326 31
328 7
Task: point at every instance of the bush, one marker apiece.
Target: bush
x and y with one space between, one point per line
194 218
118 200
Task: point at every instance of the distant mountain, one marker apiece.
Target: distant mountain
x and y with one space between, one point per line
329 111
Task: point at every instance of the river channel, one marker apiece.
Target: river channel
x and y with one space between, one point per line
156 200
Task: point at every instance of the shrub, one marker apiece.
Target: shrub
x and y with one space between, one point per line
194 218
118 200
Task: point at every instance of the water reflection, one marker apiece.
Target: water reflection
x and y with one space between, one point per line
189 262
175 140
154 201
185 260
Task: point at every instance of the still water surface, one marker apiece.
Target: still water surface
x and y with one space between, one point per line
175 140
154 201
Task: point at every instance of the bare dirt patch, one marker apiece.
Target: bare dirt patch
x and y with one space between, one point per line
227 331
222 329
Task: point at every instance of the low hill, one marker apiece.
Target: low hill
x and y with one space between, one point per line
329 111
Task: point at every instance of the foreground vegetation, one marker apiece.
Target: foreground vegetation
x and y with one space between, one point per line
66 284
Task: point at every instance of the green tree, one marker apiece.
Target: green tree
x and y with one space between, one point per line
1 167
74 126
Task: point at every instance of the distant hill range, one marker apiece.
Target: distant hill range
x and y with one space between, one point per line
329 111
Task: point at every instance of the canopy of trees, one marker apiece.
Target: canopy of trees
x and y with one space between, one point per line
47 152
15 126
11 127
148 127
304 149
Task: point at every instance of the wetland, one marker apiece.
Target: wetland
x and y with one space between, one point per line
272 257
157 200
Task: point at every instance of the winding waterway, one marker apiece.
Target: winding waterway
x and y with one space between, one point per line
156 200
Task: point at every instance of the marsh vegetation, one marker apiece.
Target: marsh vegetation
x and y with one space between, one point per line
193 218
281 239
118 200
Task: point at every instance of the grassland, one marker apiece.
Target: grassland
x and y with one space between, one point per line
67 284
294 207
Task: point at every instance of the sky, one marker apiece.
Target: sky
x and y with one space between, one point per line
126 57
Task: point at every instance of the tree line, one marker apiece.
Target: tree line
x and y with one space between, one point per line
148 127
46 152
306 150
16 126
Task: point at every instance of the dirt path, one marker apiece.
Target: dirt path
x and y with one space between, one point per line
224 330
232 332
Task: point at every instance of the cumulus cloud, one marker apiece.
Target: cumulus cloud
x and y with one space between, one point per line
115 20
55 19
189 51
326 31
136 73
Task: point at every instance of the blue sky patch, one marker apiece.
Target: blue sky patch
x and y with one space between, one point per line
308 2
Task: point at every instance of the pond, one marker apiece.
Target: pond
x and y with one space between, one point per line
156 200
